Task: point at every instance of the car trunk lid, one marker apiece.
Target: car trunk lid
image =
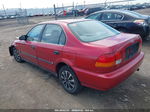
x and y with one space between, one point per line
128 45
116 41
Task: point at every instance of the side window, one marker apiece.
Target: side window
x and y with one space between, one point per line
126 17
94 16
112 16
34 34
62 38
118 16
106 16
53 34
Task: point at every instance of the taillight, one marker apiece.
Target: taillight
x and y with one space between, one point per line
140 45
140 22
109 60
118 58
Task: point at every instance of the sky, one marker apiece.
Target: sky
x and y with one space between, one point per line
49 3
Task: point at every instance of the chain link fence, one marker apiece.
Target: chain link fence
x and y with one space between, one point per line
22 17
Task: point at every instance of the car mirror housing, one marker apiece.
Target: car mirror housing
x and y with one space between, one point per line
23 37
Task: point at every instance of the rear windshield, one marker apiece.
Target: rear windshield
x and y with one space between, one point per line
91 30
134 14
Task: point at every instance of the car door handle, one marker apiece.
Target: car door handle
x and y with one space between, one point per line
56 52
32 46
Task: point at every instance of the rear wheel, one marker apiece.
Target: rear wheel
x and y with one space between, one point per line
16 55
146 38
69 80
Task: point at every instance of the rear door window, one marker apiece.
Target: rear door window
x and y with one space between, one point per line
53 34
112 16
62 39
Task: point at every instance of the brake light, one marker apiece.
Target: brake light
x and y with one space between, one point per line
118 57
140 46
140 22
109 60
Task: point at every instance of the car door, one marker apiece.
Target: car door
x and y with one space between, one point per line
28 46
50 49
112 19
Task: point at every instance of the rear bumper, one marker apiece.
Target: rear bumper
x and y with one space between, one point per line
144 31
109 80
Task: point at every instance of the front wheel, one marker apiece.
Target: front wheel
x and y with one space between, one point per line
69 80
16 55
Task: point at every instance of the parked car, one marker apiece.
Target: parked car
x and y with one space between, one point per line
1 17
81 12
68 13
91 10
99 57
72 12
133 7
124 21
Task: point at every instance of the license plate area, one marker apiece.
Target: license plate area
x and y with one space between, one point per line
131 51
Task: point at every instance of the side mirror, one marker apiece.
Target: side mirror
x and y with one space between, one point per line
23 37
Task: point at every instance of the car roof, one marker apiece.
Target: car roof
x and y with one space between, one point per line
127 12
112 10
64 21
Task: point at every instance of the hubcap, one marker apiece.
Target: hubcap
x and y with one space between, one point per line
67 80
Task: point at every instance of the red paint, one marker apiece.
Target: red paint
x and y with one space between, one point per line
81 57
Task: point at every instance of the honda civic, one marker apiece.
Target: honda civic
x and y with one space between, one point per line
80 53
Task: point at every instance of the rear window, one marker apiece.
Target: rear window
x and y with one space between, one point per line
88 31
134 14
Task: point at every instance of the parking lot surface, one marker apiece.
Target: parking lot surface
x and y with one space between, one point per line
25 86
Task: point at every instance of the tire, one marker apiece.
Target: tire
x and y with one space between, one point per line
146 38
16 55
69 80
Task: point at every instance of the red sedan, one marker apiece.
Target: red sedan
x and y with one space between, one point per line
80 53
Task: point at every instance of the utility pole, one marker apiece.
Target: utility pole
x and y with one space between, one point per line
20 6
128 5
55 12
43 11
4 10
63 6
84 3
105 3
73 5
77 5
73 9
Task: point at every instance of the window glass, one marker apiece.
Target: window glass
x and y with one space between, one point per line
112 16
97 30
118 16
34 34
94 16
62 38
132 13
51 34
106 16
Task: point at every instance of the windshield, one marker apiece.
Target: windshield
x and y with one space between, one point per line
88 31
